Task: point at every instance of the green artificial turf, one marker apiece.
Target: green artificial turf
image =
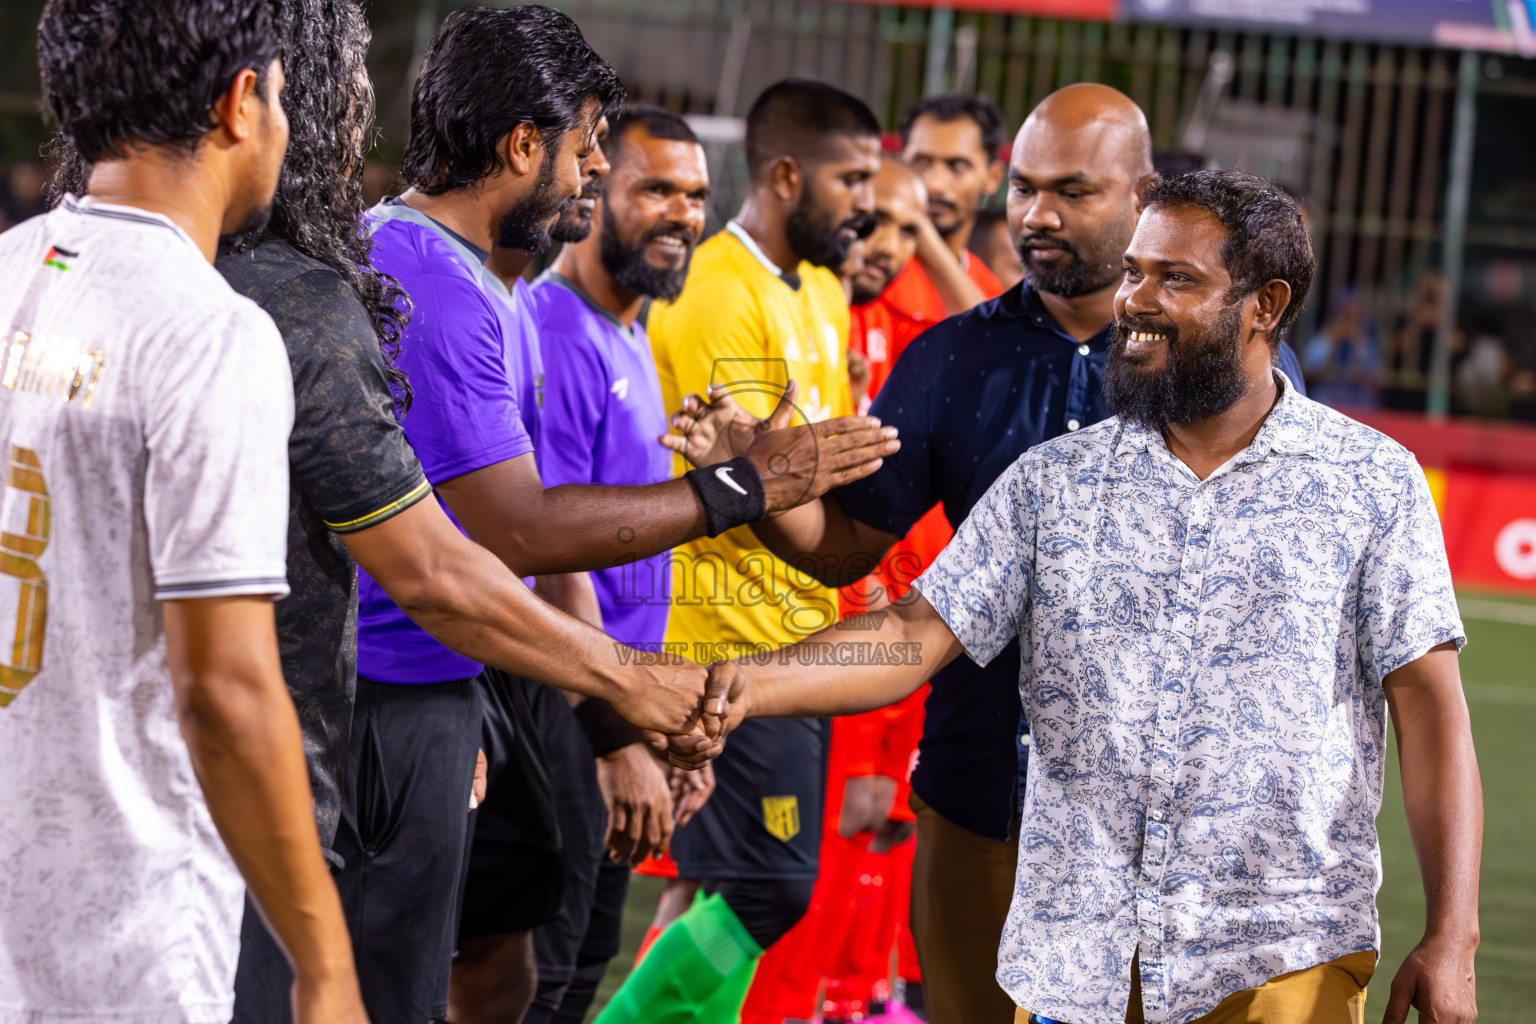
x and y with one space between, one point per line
1498 668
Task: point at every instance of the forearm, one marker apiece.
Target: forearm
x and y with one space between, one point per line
578 528
465 597
831 673
954 286
1443 797
243 737
821 540
572 593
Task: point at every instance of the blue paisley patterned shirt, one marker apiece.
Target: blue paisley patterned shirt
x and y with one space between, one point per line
1203 677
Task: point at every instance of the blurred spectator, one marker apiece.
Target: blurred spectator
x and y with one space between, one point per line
1480 381
990 241
1341 360
1405 364
21 193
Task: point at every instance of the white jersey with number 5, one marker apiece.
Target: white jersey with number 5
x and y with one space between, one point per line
144 417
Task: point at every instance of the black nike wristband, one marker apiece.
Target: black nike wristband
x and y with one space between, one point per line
606 730
732 494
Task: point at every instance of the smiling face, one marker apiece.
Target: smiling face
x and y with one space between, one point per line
899 209
837 199
1182 342
653 213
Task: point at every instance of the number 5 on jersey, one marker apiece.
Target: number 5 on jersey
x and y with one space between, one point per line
24 527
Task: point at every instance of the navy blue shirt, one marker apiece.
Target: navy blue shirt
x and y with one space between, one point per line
970 396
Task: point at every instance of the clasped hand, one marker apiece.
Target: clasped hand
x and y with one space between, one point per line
720 708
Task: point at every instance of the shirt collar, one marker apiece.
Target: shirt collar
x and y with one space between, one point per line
1291 428
471 256
1029 306
92 207
789 277
559 279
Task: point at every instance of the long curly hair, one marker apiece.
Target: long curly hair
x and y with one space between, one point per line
319 203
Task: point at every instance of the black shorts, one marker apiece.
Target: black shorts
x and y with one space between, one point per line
764 820
516 880
583 822
403 838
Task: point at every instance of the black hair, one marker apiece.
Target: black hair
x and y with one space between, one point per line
655 122
1266 237
489 70
319 202
793 117
120 72
954 107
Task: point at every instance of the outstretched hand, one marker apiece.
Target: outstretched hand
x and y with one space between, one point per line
716 429
663 694
795 464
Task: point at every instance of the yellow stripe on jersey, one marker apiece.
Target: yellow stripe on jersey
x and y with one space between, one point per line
738 324
381 514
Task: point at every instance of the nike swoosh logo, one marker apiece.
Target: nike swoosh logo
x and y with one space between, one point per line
723 474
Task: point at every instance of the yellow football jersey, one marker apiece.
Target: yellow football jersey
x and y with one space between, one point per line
740 324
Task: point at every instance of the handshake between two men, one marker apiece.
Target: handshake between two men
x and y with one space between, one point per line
825 673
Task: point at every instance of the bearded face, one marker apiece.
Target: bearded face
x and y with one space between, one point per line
575 221
1058 265
655 264
527 225
818 237
1200 376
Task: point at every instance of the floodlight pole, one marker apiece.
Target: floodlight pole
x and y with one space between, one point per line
1458 194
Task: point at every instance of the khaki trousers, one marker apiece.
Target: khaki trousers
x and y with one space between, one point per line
1330 993
962 885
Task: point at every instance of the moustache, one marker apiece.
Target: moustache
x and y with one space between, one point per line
861 224
592 188
1126 325
881 264
670 229
1039 241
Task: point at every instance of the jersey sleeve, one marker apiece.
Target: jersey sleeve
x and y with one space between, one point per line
348 454
464 414
216 479
576 383
902 490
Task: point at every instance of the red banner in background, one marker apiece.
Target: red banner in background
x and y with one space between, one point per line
1483 476
1072 10
1489 522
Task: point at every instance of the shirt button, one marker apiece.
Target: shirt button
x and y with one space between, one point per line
1155 815
1082 350
1073 424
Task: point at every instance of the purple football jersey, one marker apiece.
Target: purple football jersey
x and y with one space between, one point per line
472 354
601 416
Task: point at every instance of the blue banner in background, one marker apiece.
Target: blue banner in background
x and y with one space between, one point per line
1501 26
